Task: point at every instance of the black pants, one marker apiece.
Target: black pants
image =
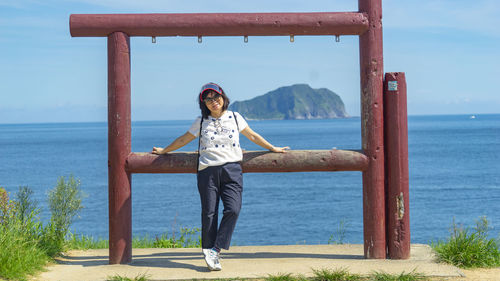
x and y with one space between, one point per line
214 184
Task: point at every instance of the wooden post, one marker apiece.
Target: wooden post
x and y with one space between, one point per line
396 166
372 125
119 147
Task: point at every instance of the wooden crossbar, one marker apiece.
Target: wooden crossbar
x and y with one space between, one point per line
254 161
220 24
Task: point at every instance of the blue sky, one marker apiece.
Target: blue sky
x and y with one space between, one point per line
449 49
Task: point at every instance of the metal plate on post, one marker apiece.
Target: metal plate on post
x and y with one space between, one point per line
392 85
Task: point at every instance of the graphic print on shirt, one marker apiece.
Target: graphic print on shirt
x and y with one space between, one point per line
219 134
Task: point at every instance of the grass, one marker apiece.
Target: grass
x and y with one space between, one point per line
343 275
26 245
335 275
142 277
188 238
85 242
20 253
282 277
412 276
318 275
468 248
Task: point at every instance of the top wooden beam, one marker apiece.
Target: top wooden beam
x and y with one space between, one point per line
219 24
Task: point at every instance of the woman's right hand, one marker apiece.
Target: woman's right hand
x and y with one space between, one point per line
279 149
157 150
176 144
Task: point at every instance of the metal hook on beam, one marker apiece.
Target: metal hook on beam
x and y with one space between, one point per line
292 39
337 38
199 39
245 39
153 39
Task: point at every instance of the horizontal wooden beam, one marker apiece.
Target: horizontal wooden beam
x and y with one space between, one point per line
219 24
254 161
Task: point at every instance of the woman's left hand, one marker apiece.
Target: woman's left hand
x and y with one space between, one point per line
279 149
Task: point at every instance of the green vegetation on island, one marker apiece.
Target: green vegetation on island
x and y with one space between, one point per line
298 101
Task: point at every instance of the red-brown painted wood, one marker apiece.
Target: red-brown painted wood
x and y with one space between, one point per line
396 165
220 24
372 69
119 147
366 23
254 161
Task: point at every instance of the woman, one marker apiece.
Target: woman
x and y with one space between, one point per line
219 168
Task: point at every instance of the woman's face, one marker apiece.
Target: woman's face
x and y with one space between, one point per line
214 102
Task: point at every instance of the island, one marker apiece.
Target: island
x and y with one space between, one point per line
298 101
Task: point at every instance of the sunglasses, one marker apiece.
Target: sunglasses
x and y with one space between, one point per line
210 86
212 99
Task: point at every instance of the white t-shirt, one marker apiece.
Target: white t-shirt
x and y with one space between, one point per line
220 139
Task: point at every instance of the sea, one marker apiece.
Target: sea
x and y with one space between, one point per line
454 164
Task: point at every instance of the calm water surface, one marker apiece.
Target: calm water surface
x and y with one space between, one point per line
454 173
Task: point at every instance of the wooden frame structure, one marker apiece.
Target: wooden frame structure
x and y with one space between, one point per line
366 23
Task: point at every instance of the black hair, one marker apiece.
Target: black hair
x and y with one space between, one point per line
205 112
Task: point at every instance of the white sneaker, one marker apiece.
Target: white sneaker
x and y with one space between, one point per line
205 252
212 259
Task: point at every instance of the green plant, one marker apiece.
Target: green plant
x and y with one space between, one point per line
189 238
65 201
412 276
281 277
334 275
25 244
142 277
468 249
144 242
343 275
285 277
24 204
85 242
7 207
20 254
340 234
